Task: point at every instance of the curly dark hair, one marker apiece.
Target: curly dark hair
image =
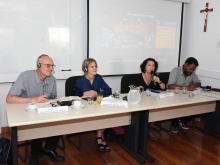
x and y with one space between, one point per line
144 63
192 60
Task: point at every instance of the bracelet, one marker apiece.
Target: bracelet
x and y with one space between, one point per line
160 82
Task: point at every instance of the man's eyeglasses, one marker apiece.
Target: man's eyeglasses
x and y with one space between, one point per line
49 65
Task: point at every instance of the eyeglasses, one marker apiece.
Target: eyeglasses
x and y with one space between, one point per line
49 65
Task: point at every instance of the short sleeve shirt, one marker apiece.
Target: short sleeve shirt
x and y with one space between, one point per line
28 84
177 77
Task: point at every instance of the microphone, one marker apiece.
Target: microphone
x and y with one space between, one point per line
152 75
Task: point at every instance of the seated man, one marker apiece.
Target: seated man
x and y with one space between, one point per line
184 77
37 86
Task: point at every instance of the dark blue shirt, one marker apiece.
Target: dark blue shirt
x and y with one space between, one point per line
99 85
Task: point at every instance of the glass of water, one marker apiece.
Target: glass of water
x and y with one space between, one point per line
90 99
117 94
176 90
148 92
184 90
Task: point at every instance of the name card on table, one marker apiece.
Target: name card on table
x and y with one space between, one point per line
52 109
165 95
110 101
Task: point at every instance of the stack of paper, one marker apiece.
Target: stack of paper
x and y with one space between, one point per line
70 98
43 104
154 94
211 94
47 104
110 101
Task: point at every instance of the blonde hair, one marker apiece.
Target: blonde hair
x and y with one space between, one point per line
86 63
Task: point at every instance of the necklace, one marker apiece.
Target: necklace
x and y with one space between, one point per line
147 79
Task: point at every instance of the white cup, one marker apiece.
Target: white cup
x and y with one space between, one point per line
32 106
77 103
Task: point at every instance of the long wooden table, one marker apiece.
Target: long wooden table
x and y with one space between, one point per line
30 125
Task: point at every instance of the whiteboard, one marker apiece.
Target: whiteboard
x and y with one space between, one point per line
31 28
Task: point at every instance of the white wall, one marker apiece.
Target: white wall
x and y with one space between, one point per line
204 46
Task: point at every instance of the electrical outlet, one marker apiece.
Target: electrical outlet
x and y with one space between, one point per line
218 44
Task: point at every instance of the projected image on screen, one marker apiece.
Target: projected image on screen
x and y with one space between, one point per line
126 33
122 33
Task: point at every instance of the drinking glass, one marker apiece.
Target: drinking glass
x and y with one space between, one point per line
99 99
148 92
90 99
176 90
184 90
117 94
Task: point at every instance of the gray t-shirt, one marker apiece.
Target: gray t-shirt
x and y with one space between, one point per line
28 84
177 77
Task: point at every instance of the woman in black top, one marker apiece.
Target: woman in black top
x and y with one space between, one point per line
149 80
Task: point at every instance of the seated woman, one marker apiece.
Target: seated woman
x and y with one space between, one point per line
149 80
91 85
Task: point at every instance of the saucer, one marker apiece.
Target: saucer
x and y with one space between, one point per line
79 107
30 110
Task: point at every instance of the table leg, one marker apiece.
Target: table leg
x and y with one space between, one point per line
130 143
14 140
143 129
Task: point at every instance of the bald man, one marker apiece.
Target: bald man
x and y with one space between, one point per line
37 86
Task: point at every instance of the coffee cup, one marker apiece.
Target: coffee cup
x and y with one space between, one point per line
32 106
77 103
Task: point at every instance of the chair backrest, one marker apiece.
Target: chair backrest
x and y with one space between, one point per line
69 85
129 79
164 77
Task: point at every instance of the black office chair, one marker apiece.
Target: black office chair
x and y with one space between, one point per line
69 90
70 84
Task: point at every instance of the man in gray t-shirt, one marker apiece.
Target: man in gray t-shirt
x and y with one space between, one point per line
37 86
184 77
